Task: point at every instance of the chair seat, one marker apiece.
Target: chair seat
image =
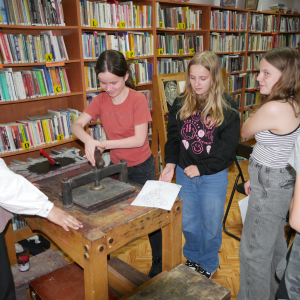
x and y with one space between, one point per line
240 188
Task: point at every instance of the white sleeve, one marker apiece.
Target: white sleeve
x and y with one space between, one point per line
19 196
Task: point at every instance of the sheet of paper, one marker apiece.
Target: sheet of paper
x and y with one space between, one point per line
158 194
243 204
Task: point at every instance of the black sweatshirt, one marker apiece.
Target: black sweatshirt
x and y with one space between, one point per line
192 142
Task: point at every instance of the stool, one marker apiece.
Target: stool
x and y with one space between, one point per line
68 282
180 283
40 265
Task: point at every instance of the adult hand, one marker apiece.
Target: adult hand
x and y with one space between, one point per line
61 218
167 173
90 146
191 171
247 187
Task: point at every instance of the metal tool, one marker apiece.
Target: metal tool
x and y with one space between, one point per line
51 160
104 192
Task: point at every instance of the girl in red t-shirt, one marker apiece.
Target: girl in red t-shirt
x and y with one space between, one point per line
124 116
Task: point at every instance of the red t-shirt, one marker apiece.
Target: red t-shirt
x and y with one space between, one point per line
118 122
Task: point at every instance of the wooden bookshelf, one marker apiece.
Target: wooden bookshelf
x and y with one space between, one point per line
75 66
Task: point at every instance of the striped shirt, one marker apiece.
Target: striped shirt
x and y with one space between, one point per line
273 150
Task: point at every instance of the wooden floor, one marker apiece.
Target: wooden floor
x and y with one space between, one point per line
138 253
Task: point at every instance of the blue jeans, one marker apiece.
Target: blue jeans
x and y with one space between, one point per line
263 244
203 200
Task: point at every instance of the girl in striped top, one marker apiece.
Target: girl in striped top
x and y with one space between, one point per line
275 126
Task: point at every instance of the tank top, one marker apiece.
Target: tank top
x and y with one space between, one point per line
274 150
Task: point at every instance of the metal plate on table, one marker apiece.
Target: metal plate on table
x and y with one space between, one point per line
113 191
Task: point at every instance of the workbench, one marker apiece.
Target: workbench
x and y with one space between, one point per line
108 230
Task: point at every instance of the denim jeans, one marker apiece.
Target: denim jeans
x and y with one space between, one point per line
263 244
140 174
203 200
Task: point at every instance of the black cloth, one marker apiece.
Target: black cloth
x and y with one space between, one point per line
140 174
191 142
7 287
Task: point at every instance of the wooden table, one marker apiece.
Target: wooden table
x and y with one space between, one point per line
108 230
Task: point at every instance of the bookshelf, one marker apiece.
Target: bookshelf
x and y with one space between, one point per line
238 60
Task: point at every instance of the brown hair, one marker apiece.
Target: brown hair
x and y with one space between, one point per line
114 62
214 103
287 61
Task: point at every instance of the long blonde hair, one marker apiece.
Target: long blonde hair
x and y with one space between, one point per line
214 103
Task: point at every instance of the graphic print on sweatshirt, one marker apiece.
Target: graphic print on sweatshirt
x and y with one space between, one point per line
197 134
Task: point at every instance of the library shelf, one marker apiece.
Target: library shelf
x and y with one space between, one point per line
35 149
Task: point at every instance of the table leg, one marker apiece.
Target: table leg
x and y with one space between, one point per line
172 239
95 269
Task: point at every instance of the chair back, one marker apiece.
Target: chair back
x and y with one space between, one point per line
243 151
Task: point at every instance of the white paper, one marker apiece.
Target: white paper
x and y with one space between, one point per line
243 204
158 194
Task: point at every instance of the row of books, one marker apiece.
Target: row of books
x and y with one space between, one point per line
289 40
178 17
148 96
224 42
18 221
19 48
91 80
97 132
115 14
238 99
235 82
38 82
289 24
131 44
228 20
253 61
258 42
251 81
251 98
172 65
263 23
37 130
141 70
232 63
32 12
168 44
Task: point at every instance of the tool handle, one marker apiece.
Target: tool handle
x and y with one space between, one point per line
51 160
99 162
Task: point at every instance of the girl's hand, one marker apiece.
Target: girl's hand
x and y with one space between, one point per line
247 187
167 173
191 171
90 146
61 218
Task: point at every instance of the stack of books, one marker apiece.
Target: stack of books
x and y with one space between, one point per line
32 12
